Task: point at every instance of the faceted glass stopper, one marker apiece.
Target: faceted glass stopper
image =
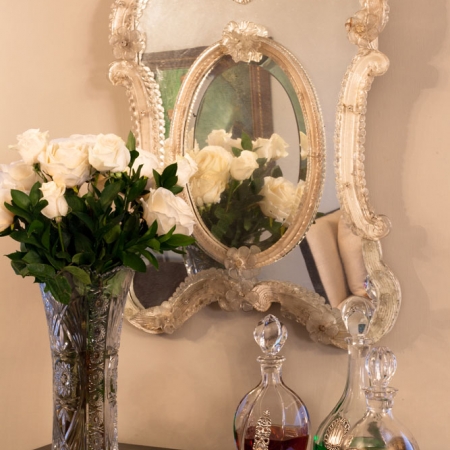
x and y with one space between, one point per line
381 365
357 313
270 334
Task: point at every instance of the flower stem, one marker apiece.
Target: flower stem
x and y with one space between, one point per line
60 235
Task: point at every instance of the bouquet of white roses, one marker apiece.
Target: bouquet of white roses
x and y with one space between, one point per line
85 205
240 190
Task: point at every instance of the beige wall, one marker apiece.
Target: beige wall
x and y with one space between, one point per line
180 391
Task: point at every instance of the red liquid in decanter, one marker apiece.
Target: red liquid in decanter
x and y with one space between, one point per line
278 441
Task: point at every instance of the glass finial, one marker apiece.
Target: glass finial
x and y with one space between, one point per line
381 365
270 334
357 313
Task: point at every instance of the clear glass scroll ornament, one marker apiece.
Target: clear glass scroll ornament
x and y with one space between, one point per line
357 313
378 429
271 416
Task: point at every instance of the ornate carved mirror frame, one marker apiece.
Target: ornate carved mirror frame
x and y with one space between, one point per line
239 289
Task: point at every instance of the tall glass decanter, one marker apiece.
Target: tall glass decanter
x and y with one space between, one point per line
271 416
356 313
378 429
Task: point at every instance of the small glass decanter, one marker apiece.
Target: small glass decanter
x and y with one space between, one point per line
378 429
356 314
271 416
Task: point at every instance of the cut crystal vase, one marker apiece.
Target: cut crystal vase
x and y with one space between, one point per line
84 343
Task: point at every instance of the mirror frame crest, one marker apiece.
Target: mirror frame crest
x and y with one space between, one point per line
308 308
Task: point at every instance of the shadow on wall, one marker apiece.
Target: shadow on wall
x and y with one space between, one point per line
413 37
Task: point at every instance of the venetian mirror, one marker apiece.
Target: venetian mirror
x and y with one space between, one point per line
247 89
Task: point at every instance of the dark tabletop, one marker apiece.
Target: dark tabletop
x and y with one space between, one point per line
121 447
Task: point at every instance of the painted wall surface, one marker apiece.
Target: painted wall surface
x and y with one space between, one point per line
181 391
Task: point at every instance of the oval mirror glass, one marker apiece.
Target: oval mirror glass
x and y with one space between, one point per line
246 127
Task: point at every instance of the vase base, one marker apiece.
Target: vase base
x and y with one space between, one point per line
121 447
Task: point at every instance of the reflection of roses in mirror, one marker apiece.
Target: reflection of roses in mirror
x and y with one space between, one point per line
231 189
82 206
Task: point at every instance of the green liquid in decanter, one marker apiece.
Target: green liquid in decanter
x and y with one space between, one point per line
356 314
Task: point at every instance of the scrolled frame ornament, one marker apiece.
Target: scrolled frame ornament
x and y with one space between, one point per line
245 292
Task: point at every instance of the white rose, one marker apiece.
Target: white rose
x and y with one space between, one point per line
109 154
304 145
17 175
67 161
57 204
186 169
149 162
213 173
280 198
273 148
243 166
168 211
6 216
223 139
31 144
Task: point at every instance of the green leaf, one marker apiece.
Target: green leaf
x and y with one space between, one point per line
157 178
167 236
79 273
36 225
35 193
236 151
276 172
76 204
136 189
19 212
176 189
60 288
16 256
131 142
83 258
133 155
246 141
45 239
20 199
22 236
112 235
86 219
20 268
180 240
32 257
150 257
41 270
134 261
109 193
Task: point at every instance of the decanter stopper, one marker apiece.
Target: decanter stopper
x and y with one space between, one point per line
357 313
271 415
378 428
381 365
270 334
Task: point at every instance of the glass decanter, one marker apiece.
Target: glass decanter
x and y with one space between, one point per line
356 313
378 429
271 416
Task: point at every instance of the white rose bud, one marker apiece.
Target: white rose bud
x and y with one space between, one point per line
149 162
31 144
243 166
109 154
186 169
17 175
280 198
6 216
168 211
213 173
66 161
57 204
273 148
223 139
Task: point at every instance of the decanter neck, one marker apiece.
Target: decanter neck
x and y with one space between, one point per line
380 400
271 369
357 375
